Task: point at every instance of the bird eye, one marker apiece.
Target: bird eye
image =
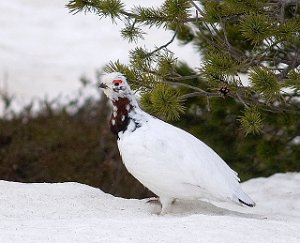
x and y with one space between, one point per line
117 82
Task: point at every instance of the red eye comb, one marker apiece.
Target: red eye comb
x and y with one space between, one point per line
119 81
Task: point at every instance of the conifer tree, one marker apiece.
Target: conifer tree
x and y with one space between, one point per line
235 38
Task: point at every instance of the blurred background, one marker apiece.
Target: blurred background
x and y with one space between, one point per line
54 121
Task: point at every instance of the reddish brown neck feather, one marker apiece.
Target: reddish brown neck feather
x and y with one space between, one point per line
119 118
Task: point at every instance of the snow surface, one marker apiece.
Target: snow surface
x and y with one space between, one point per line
72 212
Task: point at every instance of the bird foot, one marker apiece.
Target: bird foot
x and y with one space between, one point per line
164 203
154 200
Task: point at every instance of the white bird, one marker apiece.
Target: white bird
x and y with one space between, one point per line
169 161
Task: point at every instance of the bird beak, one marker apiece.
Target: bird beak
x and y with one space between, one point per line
102 86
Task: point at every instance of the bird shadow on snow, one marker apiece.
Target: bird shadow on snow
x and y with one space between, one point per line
186 208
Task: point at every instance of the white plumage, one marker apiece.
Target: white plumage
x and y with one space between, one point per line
167 160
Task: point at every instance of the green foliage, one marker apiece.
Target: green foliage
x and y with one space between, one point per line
104 8
234 7
255 28
166 64
78 5
111 8
176 11
252 37
149 16
164 101
139 58
289 29
293 80
252 121
265 82
212 10
222 62
218 65
184 32
131 32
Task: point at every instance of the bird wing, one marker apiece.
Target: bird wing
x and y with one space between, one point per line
175 156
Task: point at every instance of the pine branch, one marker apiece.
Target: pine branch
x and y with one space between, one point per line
163 46
196 7
185 77
241 100
200 94
244 99
257 101
175 84
294 64
128 14
223 39
194 19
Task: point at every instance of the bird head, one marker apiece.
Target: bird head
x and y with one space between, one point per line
115 86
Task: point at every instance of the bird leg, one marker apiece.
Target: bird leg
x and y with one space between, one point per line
165 204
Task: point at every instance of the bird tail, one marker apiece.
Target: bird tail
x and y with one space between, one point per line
242 198
252 204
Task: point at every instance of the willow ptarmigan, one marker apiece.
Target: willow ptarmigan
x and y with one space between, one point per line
167 160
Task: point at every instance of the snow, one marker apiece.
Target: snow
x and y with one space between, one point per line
72 212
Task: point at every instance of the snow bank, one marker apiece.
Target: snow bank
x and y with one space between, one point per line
72 212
